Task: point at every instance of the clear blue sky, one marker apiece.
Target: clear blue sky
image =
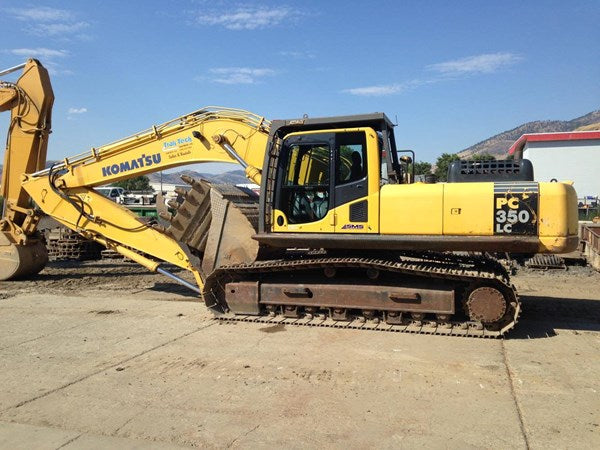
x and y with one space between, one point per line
451 75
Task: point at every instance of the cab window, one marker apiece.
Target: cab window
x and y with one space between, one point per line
308 165
305 186
351 157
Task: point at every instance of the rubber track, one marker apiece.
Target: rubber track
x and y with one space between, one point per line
448 267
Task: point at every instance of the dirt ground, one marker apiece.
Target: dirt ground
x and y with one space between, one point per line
105 354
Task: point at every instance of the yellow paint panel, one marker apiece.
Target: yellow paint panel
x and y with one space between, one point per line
113 222
469 209
324 225
558 244
343 216
175 145
557 211
411 209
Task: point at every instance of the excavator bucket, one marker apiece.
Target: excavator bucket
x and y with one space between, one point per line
21 261
216 222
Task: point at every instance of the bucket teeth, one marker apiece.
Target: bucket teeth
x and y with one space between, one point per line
173 204
165 216
216 223
188 180
175 228
159 228
181 191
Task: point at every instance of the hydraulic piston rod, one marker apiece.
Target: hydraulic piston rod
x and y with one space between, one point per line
12 69
252 172
179 280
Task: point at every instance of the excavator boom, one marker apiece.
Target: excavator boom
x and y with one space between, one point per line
209 134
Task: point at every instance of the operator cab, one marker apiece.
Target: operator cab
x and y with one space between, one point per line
308 161
325 173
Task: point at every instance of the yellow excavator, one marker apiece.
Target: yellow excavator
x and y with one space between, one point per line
340 235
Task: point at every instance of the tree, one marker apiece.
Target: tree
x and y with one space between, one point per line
442 164
141 183
422 168
482 157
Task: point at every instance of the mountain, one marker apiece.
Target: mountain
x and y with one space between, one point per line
499 144
590 127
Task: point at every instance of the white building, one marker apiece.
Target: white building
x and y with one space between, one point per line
167 187
573 156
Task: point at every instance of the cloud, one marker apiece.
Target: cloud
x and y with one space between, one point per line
485 63
386 89
297 54
40 52
49 22
41 14
239 75
61 29
248 17
471 65
375 91
77 110
55 70
48 57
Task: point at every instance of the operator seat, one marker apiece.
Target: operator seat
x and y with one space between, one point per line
300 211
320 205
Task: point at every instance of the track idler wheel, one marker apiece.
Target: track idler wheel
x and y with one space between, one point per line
486 305
21 261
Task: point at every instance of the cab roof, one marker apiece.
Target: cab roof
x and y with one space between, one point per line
377 121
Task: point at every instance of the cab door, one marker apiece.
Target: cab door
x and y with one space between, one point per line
356 181
304 198
328 182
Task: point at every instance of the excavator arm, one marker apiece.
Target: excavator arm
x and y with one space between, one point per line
29 101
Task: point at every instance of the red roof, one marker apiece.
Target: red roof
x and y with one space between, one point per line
546 137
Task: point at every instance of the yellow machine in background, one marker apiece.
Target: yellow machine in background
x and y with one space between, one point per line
340 231
30 104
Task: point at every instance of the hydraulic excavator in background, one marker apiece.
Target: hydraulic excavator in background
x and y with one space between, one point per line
340 234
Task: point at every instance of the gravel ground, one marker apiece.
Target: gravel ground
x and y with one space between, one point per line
105 354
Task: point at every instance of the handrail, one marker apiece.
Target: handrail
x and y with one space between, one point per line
591 235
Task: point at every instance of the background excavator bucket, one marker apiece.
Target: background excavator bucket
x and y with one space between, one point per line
21 261
217 223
